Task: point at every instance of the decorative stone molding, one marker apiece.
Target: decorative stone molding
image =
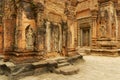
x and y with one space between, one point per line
94 13
83 21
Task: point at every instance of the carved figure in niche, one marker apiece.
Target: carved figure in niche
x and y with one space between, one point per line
30 38
104 15
104 22
103 30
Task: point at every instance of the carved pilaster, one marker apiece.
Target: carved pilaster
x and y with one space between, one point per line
60 38
48 36
70 10
9 23
40 23
118 16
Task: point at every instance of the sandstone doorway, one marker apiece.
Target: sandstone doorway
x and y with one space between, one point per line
85 37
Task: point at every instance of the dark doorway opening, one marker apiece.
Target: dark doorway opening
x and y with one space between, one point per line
85 37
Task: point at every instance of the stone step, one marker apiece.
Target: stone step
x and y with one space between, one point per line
62 61
63 64
48 63
75 58
59 59
67 70
40 64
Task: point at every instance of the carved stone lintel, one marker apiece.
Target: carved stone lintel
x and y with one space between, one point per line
94 13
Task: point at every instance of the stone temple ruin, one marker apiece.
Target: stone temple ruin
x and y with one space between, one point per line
48 28
40 26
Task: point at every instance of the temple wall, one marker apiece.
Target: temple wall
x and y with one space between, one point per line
118 32
1 27
83 14
1 39
9 32
21 38
53 24
9 24
82 5
71 34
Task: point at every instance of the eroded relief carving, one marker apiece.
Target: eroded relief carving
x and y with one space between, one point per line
103 30
55 37
104 16
30 38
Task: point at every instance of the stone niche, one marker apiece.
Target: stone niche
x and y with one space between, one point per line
25 28
30 38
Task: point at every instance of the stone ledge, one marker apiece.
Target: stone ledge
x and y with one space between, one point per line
105 52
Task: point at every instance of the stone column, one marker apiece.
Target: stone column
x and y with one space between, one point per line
9 23
79 34
94 32
117 26
48 36
109 25
60 38
118 37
